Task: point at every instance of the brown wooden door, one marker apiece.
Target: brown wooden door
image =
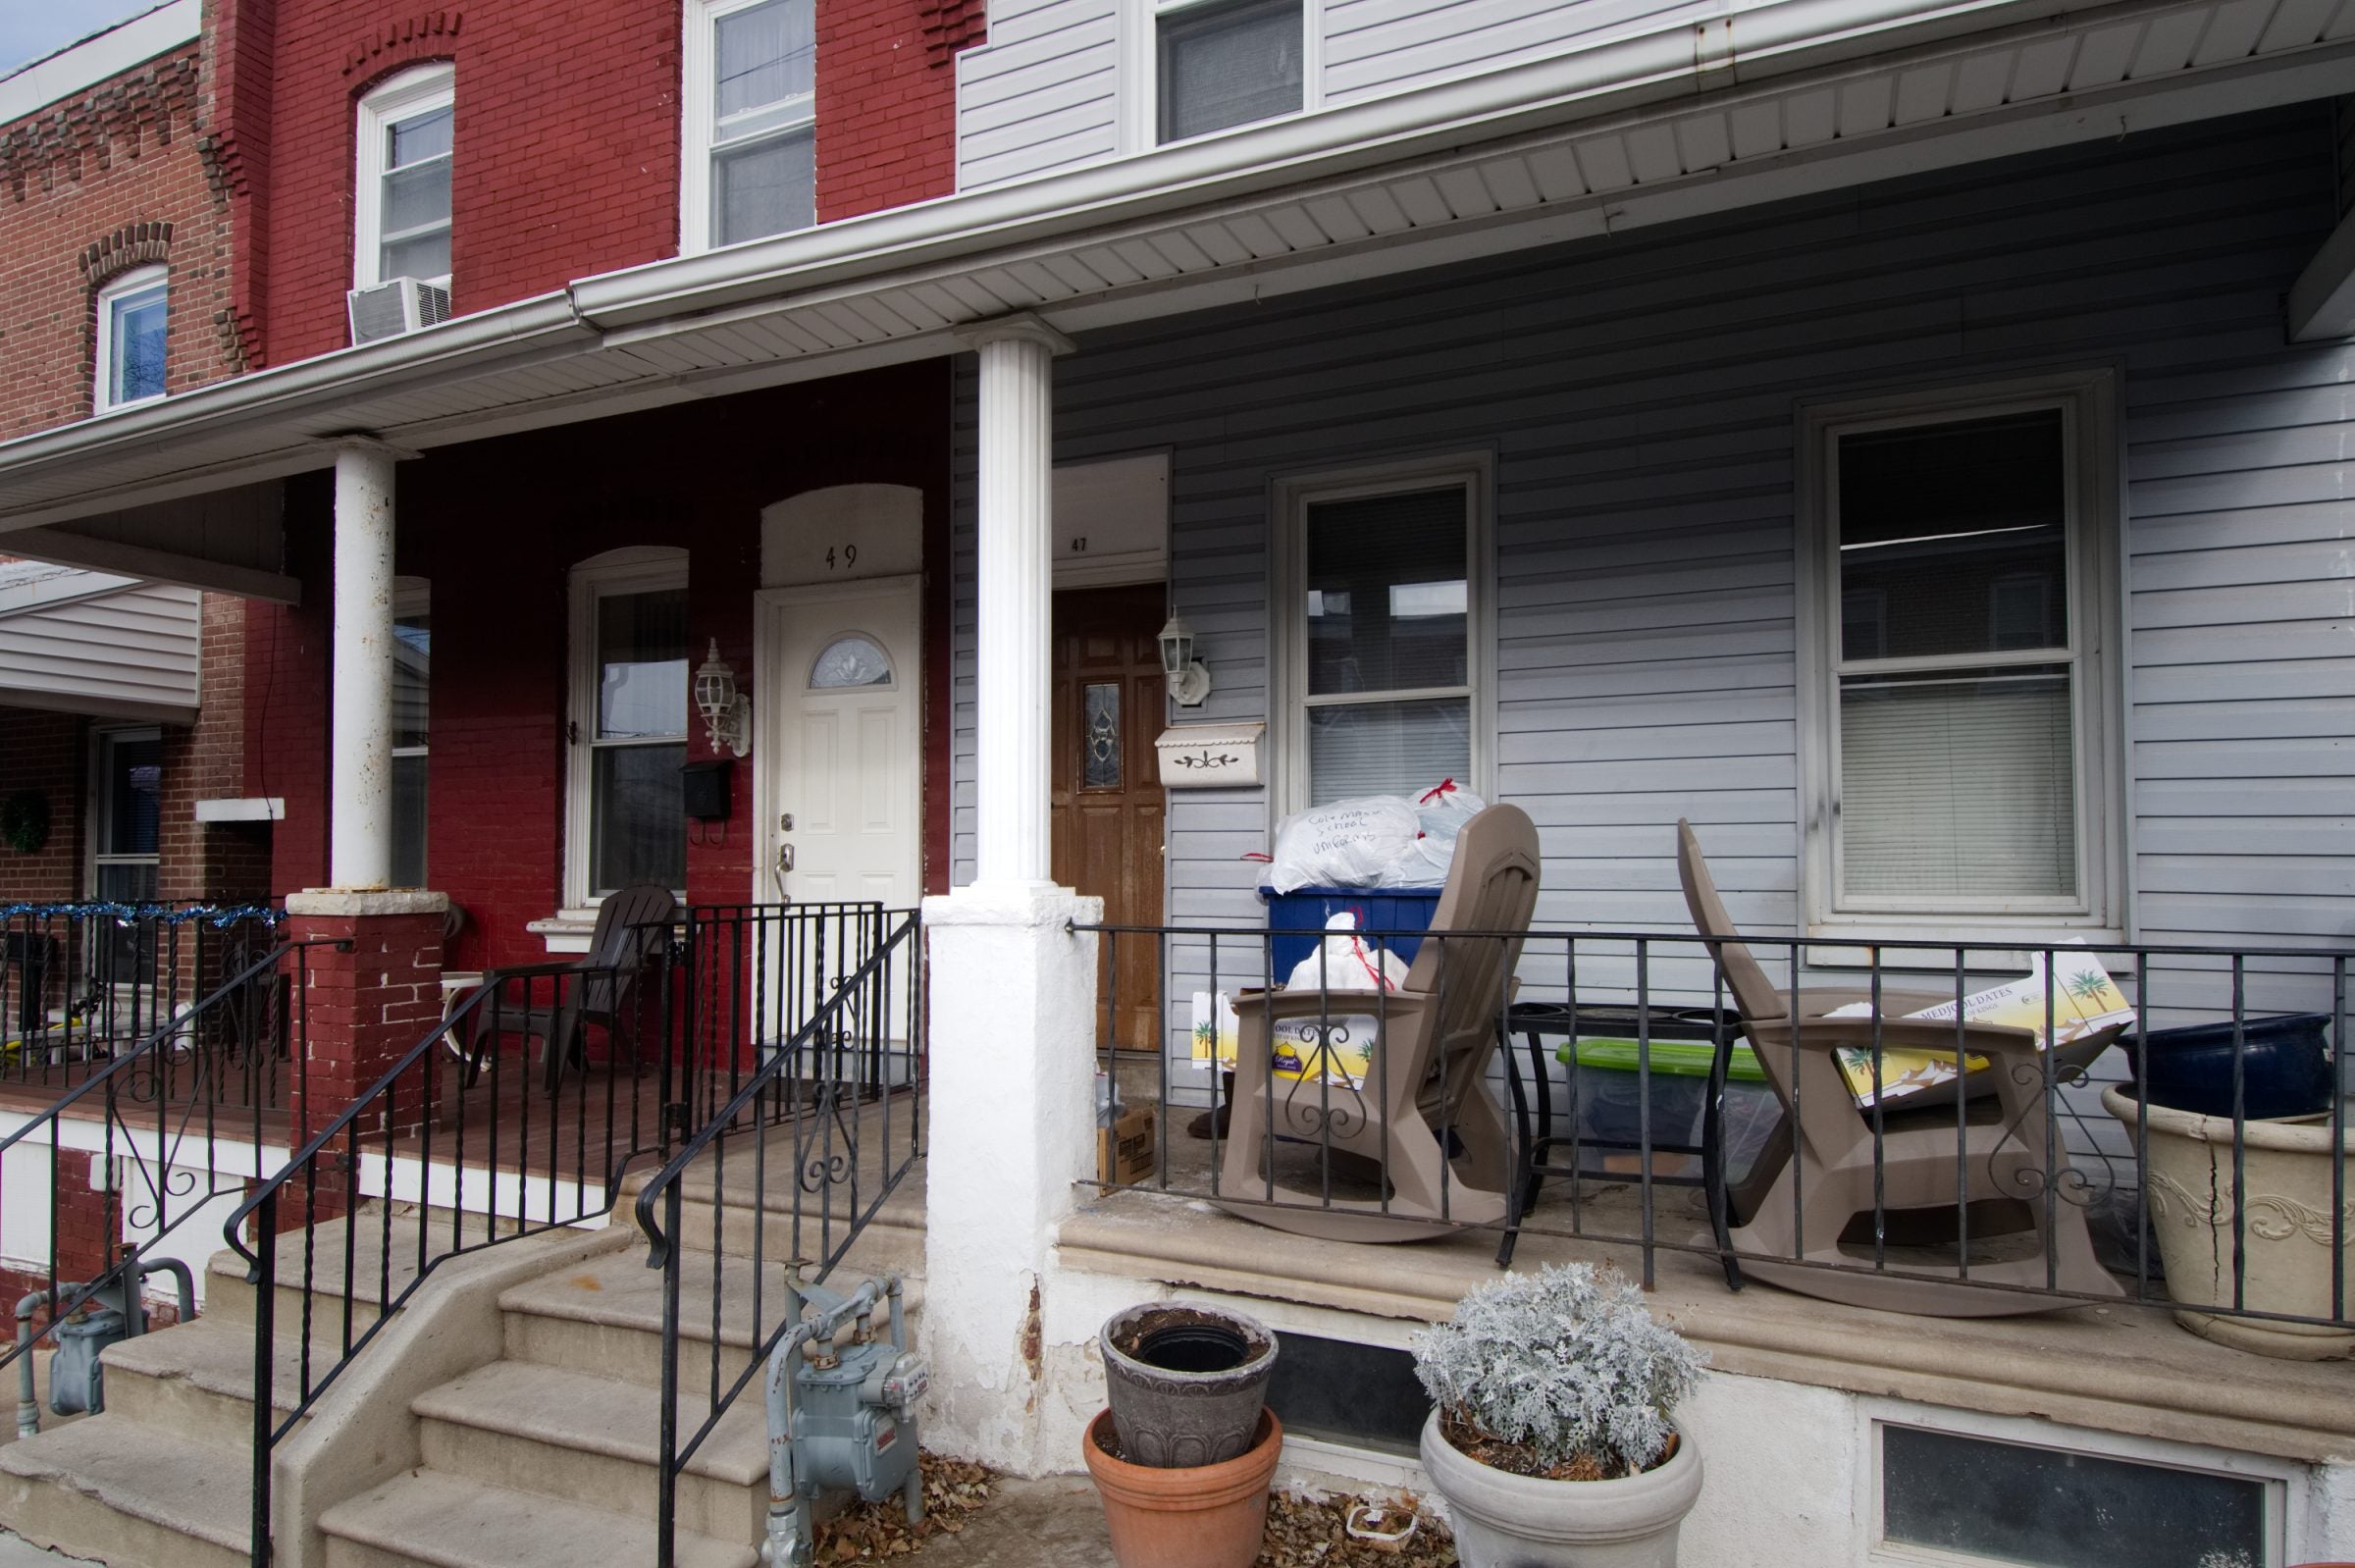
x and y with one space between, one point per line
1108 801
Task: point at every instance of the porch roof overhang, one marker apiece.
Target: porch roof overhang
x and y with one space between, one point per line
92 643
1788 98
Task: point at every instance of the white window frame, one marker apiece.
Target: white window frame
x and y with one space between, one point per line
414 596
101 817
1288 639
421 89
699 60
2288 1505
637 569
2088 401
121 290
1140 66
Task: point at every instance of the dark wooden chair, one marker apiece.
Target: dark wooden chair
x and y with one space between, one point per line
632 934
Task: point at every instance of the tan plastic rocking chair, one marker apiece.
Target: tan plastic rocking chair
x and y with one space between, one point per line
1822 1180
1427 1077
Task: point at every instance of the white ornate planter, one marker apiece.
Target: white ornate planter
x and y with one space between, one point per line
1507 1521
2287 1235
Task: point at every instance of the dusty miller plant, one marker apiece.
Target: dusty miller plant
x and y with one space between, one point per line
1566 1363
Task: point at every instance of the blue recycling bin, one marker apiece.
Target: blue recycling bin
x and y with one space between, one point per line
1297 918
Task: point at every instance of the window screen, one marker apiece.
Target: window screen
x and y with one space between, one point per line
2049 1508
415 215
1388 607
637 826
1228 65
1957 763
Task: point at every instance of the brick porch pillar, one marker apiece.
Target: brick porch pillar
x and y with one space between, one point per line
360 1011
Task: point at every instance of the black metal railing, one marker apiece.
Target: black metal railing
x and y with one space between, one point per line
82 983
1600 1031
179 1119
823 1121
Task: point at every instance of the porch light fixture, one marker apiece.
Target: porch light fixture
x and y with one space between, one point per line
721 704
1189 681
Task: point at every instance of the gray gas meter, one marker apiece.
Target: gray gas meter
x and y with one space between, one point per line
841 1411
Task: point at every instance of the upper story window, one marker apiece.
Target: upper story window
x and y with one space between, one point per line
626 814
1221 63
133 312
401 192
748 165
1383 645
1961 687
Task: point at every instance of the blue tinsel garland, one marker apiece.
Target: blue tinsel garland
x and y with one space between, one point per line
219 914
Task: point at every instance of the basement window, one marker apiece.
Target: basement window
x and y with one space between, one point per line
1357 1396
1975 1499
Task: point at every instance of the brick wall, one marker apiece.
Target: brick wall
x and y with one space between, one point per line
887 102
44 751
224 862
89 186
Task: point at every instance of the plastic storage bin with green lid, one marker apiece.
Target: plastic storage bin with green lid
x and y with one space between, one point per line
1609 1091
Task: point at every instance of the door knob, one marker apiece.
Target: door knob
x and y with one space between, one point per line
784 857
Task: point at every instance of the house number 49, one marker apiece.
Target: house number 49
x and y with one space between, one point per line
841 555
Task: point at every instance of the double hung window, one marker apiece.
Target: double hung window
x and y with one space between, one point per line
1384 649
751 131
402 192
630 704
1960 687
1221 63
131 316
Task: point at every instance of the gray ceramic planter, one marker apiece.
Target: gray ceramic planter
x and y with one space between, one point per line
1507 1521
1186 1381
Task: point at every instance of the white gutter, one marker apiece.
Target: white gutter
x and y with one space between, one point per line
1776 39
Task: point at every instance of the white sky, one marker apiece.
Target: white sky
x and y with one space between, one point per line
31 29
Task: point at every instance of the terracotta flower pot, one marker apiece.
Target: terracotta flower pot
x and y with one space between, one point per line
1199 1516
1507 1521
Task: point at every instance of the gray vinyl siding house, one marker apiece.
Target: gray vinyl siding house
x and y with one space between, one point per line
1638 401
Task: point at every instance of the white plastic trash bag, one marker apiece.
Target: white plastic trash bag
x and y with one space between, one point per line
1347 844
1338 1045
1441 813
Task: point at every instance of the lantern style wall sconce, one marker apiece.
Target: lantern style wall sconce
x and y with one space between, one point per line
726 715
1188 681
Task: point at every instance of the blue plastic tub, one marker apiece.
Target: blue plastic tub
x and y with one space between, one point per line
2285 1069
1304 910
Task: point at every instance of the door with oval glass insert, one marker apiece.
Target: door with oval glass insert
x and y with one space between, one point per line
1108 811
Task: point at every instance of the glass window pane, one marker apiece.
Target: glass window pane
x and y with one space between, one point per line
761 55
420 137
426 256
1386 593
1228 65
767 189
1960 530
2051 1510
417 197
1387 748
1100 755
642 664
412 671
132 883
637 821
1957 784
137 332
852 661
135 777
408 821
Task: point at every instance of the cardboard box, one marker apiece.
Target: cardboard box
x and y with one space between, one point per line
1125 1150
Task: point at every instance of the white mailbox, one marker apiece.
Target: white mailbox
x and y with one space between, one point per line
1197 757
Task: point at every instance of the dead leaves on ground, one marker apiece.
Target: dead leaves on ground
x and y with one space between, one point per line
1314 1532
867 1531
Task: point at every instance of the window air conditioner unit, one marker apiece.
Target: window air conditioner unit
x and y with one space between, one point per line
395 306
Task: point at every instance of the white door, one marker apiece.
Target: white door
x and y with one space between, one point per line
838 745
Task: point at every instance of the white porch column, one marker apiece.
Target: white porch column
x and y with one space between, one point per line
360 755
1013 648
1013 987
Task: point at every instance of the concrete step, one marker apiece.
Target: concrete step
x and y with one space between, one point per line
129 1495
315 1277
593 1441
196 1380
428 1519
607 1315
